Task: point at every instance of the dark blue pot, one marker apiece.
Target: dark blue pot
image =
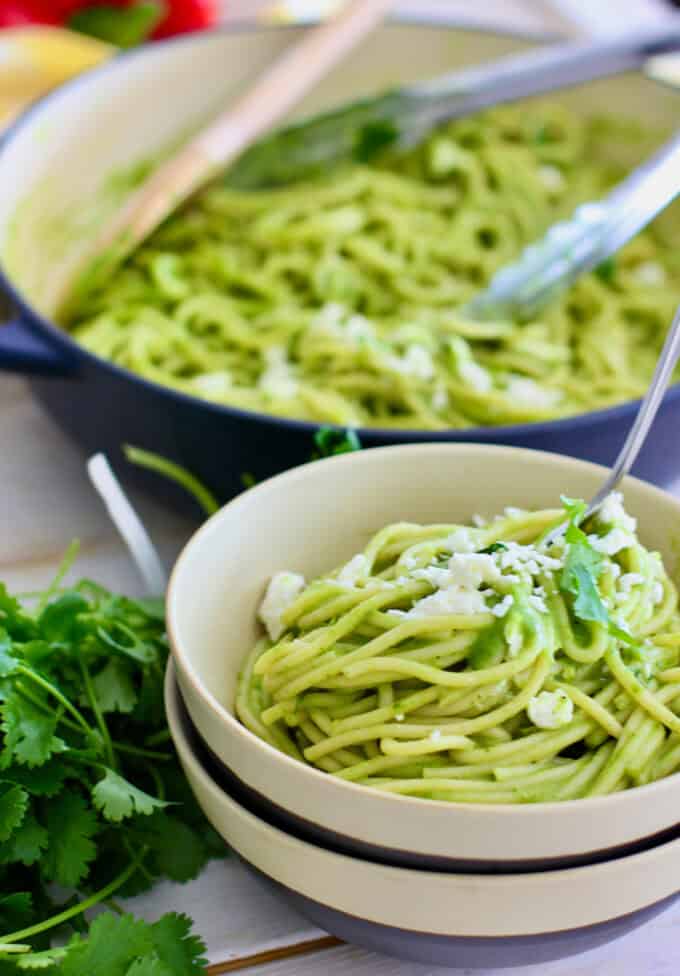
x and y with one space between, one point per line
103 407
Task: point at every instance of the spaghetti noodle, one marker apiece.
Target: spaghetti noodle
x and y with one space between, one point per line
477 664
339 299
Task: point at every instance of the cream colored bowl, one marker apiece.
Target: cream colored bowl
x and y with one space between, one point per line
313 518
444 918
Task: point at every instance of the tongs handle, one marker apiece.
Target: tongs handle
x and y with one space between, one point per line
545 69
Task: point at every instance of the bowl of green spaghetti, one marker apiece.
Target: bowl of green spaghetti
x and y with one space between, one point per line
254 316
382 649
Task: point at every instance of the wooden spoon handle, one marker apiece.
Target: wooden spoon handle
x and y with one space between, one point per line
289 79
275 92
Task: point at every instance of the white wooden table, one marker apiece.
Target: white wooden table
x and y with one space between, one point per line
46 501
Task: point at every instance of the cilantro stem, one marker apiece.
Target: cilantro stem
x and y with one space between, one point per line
176 473
38 703
142 753
64 566
154 740
50 689
158 782
80 907
99 718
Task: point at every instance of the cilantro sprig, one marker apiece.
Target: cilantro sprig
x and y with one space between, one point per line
582 570
92 798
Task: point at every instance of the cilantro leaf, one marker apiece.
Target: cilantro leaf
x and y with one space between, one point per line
114 688
117 798
8 663
15 910
29 733
17 623
13 806
180 852
330 441
582 568
373 138
588 604
45 780
26 844
71 825
148 966
181 951
114 943
59 619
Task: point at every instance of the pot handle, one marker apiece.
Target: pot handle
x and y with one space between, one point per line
23 351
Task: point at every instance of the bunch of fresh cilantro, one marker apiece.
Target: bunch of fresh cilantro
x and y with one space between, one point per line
93 803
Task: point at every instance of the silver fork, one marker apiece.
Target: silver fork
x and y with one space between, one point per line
643 421
589 237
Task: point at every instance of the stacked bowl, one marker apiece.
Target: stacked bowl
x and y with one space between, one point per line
449 883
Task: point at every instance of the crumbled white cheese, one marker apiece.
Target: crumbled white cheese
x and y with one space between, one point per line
628 581
330 317
657 592
278 379
550 709
437 576
528 559
551 177
416 361
475 375
435 735
479 521
282 591
612 512
399 717
440 399
468 368
531 394
212 384
613 542
473 569
502 608
358 327
455 600
537 602
353 571
650 273
460 540
458 585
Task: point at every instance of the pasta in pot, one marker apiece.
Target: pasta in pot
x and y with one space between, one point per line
340 299
477 664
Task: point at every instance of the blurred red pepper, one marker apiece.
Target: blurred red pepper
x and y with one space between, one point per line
179 16
186 15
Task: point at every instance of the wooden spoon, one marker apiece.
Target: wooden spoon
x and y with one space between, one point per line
278 90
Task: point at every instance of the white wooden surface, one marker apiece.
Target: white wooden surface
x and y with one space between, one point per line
46 501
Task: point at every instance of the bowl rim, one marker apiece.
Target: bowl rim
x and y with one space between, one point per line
212 525
596 874
40 323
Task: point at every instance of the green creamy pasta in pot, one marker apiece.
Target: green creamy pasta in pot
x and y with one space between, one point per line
478 664
339 299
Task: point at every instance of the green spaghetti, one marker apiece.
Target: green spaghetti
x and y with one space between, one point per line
339 299
477 664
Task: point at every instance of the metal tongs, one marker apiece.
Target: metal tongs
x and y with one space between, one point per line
403 116
571 248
